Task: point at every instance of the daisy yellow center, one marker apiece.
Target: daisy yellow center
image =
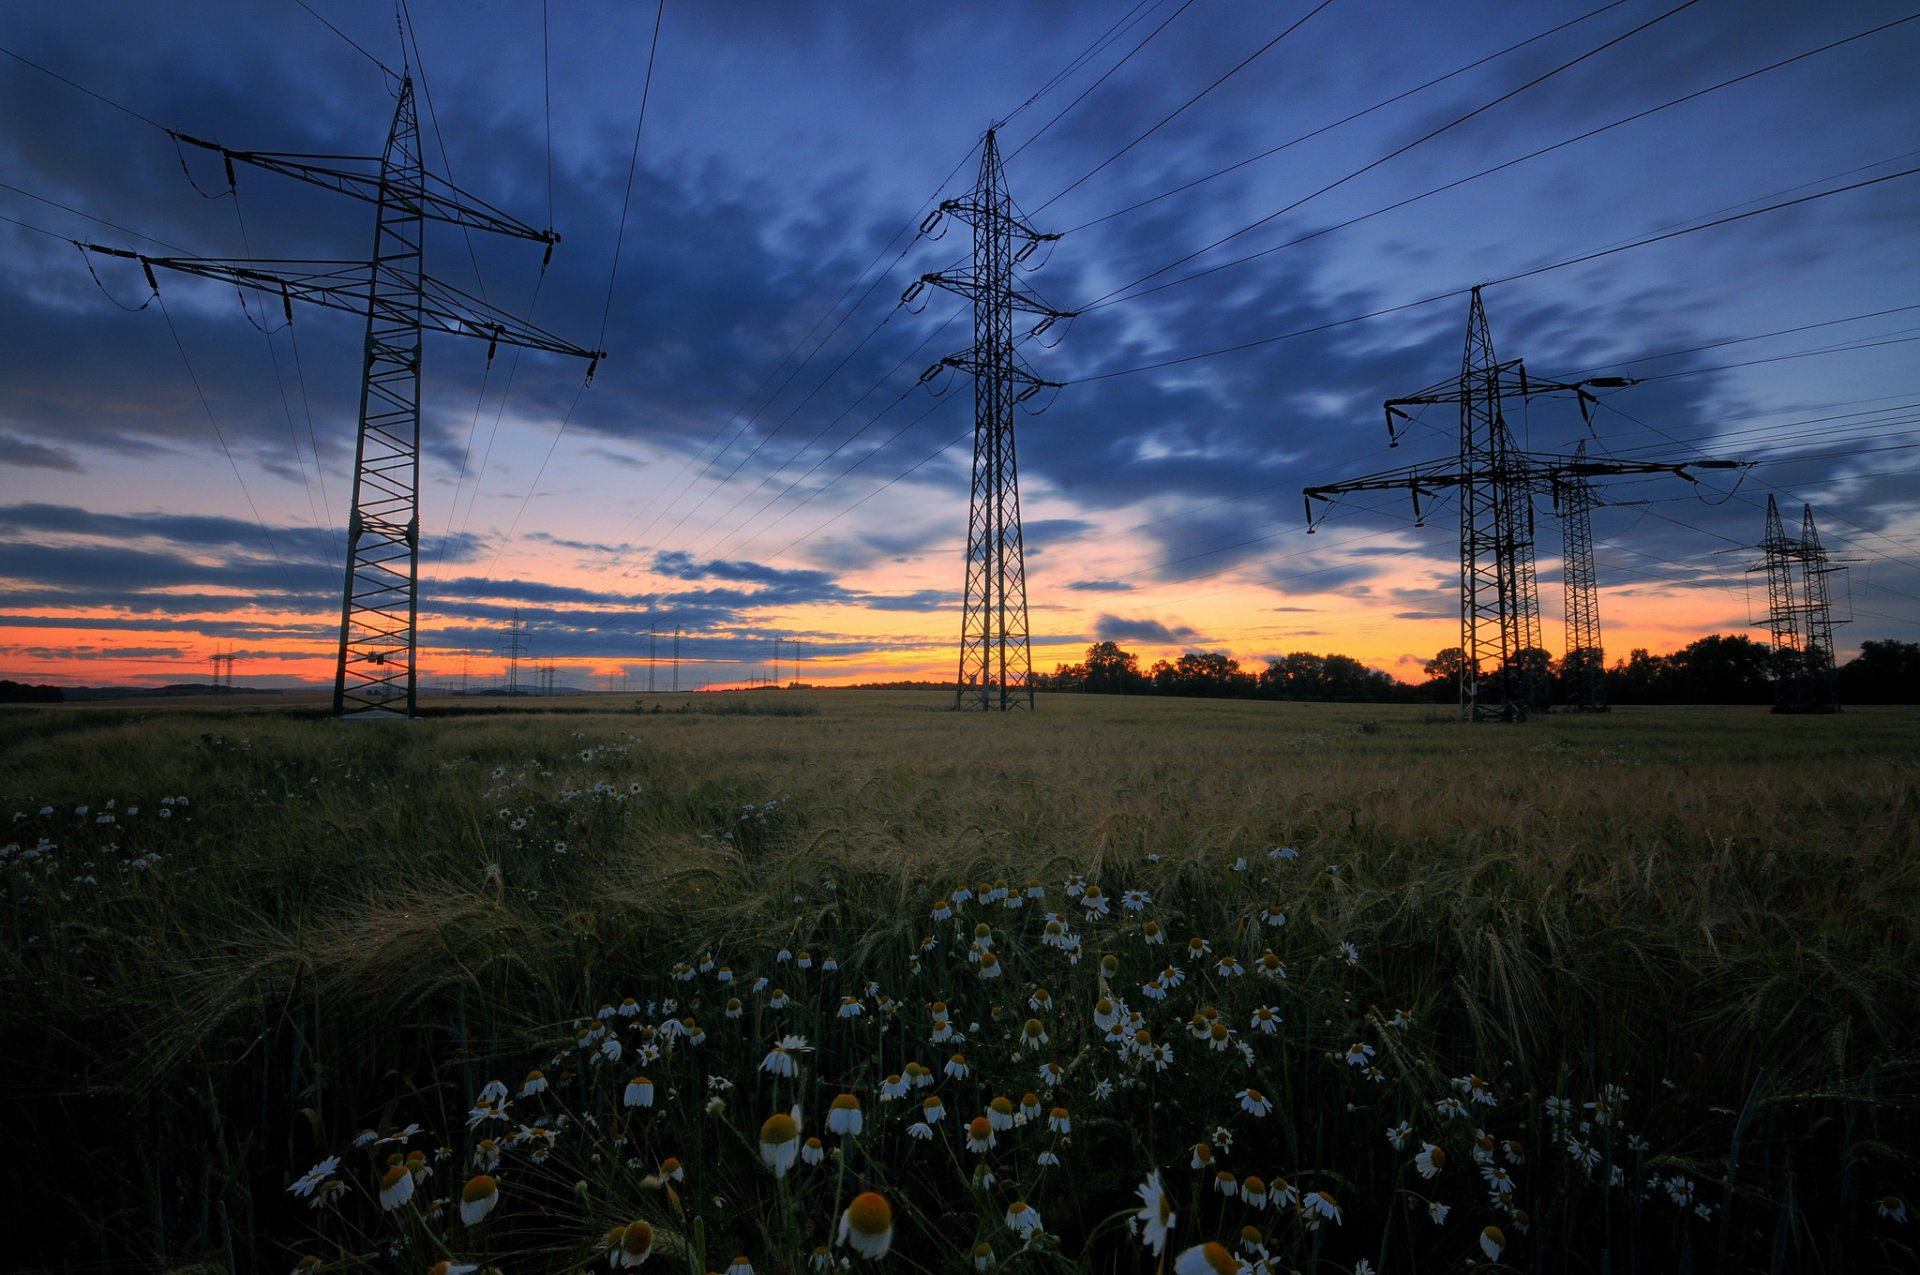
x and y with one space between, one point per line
779 1128
1218 1259
638 1237
479 1187
869 1213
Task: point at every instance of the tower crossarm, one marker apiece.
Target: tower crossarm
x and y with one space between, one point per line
1508 379
349 286
359 176
963 283
1529 469
975 210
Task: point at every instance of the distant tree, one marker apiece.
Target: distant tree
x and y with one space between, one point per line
1641 678
1574 670
21 693
1344 678
1447 664
1443 674
1885 672
1722 669
1112 671
1209 673
1065 677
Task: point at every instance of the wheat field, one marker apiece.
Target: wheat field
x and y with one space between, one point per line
795 980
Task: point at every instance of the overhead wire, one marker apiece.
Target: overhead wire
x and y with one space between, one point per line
187 362
1167 119
72 84
1087 55
1344 120
1609 365
662 510
613 274
1515 276
1120 25
1040 132
322 20
293 590
325 524
1403 149
1113 297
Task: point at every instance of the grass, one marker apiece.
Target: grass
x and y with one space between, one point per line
350 926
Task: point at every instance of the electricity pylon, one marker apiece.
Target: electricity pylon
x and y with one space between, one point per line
379 606
996 657
516 647
1503 674
1800 615
1585 665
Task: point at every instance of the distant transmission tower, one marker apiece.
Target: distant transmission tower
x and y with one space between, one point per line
1585 664
1800 615
516 647
996 657
1503 675
380 602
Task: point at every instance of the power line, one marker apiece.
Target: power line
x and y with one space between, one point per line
606 310
349 39
1397 152
633 163
1126 21
1344 120
1041 131
1177 111
54 203
675 483
1113 298
1509 278
292 590
99 97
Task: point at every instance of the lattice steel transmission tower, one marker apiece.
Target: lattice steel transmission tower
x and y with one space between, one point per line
1584 667
1505 672
996 657
1800 615
379 608
516 647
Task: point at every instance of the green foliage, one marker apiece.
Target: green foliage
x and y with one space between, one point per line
1702 923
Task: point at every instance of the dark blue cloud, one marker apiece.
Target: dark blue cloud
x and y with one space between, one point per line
1113 628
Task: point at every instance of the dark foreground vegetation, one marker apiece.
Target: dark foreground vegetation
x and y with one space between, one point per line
1347 984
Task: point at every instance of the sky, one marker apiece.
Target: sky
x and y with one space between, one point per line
1270 215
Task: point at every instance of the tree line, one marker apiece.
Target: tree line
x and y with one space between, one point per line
1718 669
1108 670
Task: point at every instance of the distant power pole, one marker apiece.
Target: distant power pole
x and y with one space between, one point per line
776 662
653 653
996 657
516 647
1800 615
1504 670
376 665
676 657
1585 663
